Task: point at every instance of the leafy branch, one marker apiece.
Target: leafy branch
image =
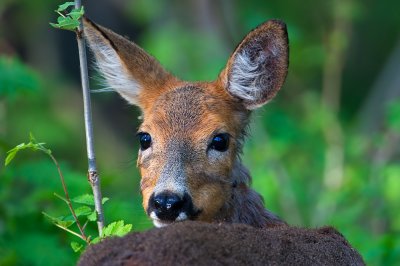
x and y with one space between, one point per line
70 14
87 202
34 145
68 20
72 20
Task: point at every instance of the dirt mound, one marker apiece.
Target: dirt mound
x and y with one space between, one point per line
195 243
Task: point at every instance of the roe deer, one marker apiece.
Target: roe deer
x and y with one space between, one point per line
192 132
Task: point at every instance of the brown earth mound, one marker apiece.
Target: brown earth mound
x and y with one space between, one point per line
195 243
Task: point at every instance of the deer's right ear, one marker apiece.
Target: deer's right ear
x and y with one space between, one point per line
257 68
126 67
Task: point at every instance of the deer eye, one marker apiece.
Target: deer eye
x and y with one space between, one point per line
220 142
145 140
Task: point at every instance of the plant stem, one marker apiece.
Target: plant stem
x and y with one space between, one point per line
61 14
81 230
93 176
72 232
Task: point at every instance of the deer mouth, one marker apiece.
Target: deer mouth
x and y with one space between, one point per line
181 217
162 223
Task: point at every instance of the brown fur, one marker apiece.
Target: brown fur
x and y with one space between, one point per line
152 74
182 118
191 126
195 243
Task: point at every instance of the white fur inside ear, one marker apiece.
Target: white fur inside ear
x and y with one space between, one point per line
116 76
248 77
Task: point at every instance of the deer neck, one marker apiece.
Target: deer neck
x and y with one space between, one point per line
246 205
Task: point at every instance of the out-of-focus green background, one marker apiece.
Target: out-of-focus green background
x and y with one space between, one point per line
325 151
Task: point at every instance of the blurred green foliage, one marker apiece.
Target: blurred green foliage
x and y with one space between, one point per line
313 165
16 79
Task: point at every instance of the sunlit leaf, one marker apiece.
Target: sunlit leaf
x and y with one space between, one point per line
116 229
83 211
84 199
77 13
68 21
64 6
87 199
95 240
33 145
10 156
59 220
92 217
104 200
76 246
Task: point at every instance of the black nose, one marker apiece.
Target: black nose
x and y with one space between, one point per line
167 205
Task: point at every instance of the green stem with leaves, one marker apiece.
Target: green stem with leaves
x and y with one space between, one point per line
73 21
39 146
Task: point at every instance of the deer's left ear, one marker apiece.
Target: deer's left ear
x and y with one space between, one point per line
257 68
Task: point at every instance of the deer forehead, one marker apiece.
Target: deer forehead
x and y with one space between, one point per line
192 112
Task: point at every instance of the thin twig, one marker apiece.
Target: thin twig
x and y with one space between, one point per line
84 226
93 176
72 232
81 230
61 14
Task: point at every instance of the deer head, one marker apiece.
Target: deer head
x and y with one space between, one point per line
191 133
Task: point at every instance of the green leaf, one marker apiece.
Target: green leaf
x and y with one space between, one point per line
64 6
54 25
104 200
33 145
107 231
16 149
65 224
60 19
10 156
76 13
37 145
116 229
61 221
76 246
92 217
68 21
95 240
86 199
83 211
